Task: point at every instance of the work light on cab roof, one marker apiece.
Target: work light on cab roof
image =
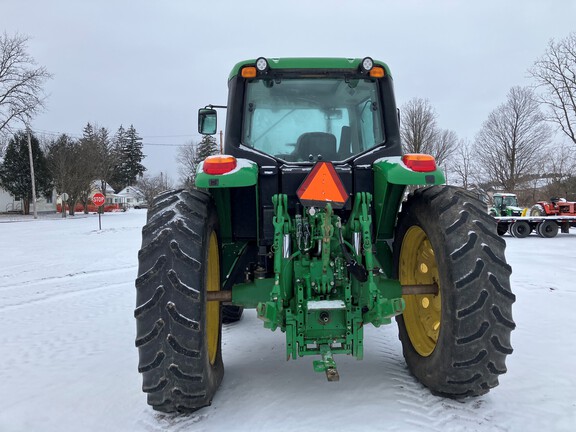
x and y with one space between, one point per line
367 64
262 64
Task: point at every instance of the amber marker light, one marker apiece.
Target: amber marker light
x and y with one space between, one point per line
249 72
377 72
219 164
419 162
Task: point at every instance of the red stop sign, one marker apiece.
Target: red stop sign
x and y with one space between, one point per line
98 199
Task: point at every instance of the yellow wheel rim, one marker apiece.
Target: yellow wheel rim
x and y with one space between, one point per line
423 313
213 307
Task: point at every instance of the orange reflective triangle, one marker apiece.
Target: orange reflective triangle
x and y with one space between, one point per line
322 185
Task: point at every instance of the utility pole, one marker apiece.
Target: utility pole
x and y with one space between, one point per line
32 173
221 145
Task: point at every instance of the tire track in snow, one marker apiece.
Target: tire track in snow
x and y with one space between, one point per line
59 333
435 413
68 275
425 411
157 422
26 299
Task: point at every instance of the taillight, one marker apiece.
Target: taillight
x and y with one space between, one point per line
219 164
419 162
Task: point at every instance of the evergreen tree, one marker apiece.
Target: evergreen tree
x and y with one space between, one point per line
88 133
130 156
119 140
15 170
206 147
89 145
116 176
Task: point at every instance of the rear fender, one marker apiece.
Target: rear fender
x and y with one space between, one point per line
391 177
245 175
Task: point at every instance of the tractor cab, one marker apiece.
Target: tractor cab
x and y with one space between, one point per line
300 111
286 115
505 204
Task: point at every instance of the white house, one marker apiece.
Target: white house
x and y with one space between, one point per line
9 203
111 196
133 197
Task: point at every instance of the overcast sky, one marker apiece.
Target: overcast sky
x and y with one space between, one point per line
154 63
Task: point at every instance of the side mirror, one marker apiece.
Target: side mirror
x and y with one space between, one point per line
207 121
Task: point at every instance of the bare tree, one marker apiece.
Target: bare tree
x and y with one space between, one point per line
420 133
60 161
464 166
67 161
151 187
445 146
418 126
555 74
21 82
62 157
187 163
561 167
82 176
512 142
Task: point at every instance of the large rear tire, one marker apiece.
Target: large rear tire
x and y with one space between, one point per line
178 330
455 342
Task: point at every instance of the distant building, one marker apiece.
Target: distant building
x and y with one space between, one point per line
112 198
133 197
11 204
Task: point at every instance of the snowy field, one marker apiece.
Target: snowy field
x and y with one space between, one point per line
68 361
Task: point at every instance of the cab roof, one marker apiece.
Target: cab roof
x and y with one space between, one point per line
309 63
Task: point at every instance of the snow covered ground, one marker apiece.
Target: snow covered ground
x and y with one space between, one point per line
68 361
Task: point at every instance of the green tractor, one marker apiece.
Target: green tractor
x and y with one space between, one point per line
505 204
305 219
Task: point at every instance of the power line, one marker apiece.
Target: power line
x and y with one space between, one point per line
78 136
170 136
54 133
164 144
